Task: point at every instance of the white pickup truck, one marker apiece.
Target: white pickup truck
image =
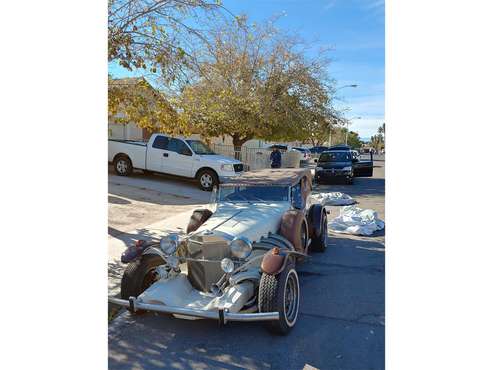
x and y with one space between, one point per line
175 156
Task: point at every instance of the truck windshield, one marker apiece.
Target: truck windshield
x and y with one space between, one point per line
253 193
199 147
335 157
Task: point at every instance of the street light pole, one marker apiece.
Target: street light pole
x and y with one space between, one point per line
336 90
342 87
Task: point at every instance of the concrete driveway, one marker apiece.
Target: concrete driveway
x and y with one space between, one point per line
144 207
341 323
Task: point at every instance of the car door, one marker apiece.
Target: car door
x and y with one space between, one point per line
180 158
362 168
157 153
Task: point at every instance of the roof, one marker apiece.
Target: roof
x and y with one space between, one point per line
270 176
340 147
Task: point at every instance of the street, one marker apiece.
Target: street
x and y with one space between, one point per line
342 313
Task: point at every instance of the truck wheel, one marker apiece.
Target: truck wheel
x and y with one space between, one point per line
123 166
139 275
280 293
319 242
207 180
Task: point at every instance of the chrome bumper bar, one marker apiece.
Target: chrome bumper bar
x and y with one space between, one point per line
223 315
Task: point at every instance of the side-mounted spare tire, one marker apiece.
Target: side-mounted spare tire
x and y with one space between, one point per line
280 293
139 275
199 216
318 228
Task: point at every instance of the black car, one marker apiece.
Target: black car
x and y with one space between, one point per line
319 149
343 165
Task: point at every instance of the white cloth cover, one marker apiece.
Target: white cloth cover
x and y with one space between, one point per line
356 221
333 199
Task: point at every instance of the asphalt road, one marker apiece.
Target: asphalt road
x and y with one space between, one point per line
341 323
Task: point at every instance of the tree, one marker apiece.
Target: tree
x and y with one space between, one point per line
134 100
154 35
377 142
255 82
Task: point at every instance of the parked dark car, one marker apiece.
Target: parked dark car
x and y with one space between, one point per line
319 149
339 147
341 165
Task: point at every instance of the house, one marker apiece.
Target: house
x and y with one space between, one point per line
130 131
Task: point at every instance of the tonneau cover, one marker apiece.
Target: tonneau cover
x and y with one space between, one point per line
268 176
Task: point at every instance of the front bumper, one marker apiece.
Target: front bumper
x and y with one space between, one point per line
222 315
333 174
227 175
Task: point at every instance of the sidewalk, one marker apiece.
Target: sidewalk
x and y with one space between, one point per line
154 231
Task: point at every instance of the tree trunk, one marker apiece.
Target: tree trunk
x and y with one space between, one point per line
238 141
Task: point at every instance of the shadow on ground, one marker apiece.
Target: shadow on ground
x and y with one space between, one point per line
341 324
362 186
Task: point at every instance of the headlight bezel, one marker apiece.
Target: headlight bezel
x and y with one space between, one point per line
241 247
169 244
319 168
227 265
348 168
227 167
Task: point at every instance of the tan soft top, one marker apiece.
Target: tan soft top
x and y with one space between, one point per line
268 176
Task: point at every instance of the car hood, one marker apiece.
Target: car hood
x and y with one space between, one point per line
220 159
251 220
334 165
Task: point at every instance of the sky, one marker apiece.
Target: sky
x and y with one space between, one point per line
354 30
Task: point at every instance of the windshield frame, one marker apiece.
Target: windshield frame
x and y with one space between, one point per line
190 143
249 201
329 160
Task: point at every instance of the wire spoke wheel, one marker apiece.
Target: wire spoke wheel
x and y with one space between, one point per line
291 298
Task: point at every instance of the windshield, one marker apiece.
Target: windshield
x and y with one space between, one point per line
253 193
335 157
199 147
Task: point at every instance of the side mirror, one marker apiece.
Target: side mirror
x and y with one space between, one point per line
185 151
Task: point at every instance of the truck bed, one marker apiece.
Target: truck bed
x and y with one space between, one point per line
135 150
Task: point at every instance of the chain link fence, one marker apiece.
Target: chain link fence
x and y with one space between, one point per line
257 158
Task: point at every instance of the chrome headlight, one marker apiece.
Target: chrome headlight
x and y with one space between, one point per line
227 265
169 244
347 168
227 167
241 247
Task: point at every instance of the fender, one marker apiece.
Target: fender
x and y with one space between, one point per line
315 220
274 261
290 227
138 249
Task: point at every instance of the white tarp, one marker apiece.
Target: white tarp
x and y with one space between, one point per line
333 199
356 221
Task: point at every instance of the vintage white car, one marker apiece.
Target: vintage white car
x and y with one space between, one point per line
236 263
